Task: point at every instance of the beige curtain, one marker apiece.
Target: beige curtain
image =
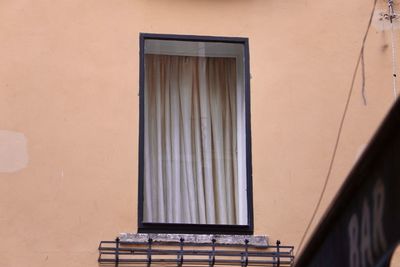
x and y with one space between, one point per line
191 162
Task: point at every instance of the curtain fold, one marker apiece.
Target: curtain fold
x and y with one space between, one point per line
191 141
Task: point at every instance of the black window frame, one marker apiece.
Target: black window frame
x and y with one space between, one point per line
195 228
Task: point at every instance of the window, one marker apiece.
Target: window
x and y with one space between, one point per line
195 146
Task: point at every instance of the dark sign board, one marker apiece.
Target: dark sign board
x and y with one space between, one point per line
362 226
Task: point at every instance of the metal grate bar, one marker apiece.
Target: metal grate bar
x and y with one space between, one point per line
116 253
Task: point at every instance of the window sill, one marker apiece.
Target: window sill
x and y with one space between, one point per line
260 241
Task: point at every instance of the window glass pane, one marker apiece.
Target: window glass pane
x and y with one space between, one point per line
194 136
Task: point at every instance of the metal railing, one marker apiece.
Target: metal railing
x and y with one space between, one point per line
116 253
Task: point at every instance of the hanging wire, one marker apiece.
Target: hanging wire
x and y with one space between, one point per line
339 133
392 16
363 78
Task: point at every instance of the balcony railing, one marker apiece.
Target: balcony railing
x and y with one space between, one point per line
150 253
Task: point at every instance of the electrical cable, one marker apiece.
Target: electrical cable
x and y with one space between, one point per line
363 78
392 16
360 55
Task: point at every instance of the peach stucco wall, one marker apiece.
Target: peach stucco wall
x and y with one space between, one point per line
69 112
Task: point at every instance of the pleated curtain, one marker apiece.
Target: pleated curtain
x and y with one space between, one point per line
190 148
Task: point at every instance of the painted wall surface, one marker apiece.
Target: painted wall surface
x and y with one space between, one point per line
69 112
